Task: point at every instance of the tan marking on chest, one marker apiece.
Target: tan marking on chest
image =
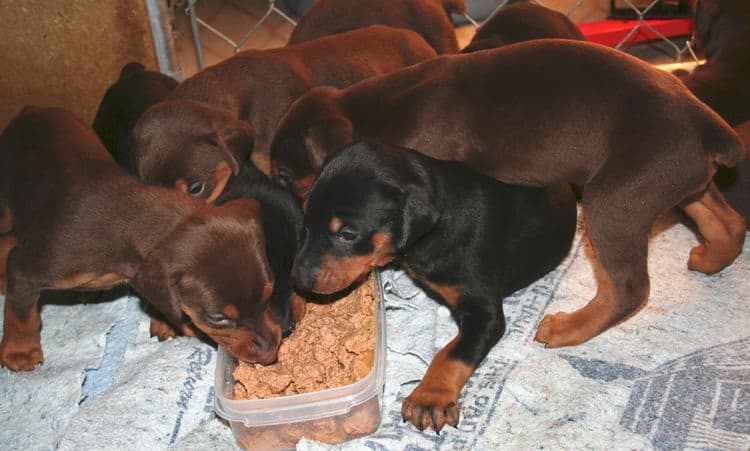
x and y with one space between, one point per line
451 294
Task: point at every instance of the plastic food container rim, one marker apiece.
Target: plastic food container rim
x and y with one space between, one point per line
305 406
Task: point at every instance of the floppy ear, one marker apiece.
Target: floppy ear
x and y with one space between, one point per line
419 215
235 141
157 283
329 136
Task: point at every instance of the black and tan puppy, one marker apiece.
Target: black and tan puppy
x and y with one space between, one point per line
722 34
430 18
122 105
178 142
282 228
466 238
522 21
76 220
541 112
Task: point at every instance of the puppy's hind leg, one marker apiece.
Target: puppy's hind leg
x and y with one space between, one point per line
620 209
21 347
722 228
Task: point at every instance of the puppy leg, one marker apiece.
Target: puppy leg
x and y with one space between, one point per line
621 205
434 402
723 231
163 329
21 348
618 220
7 243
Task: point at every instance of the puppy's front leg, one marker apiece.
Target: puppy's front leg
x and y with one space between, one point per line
434 402
21 347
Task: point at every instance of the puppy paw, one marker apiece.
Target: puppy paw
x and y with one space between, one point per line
558 330
161 329
430 408
20 355
701 259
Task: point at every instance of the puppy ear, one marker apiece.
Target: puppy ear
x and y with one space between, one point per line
131 68
333 134
235 141
157 283
419 215
219 178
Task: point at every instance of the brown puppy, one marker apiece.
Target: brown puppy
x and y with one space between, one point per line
540 112
175 142
521 22
722 34
430 18
75 220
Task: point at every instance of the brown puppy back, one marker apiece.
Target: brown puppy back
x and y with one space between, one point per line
533 98
256 87
430 18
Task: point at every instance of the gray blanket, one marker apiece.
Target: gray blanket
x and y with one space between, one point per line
675 376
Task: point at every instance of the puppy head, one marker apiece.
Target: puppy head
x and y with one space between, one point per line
190 146
314 127
213 269
369 204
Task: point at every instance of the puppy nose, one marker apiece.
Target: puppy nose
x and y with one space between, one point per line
287 331
264 350
303 276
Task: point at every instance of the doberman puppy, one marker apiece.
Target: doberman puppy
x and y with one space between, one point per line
80 221
465 238
430 18
522 21
722 34
537 113
124 102
282 228
175 142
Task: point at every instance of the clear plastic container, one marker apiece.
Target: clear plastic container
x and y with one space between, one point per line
330 416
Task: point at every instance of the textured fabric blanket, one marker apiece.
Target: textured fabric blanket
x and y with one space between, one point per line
676 375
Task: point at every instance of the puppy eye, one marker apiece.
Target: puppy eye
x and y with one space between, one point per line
217 319
196 188
347 234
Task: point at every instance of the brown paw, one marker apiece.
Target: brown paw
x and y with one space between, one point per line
20 356
161 329
701 259
558 330
430 408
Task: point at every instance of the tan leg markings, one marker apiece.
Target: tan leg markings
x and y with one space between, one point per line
21 347
722 228
434 403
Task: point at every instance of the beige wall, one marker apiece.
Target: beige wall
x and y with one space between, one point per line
67 52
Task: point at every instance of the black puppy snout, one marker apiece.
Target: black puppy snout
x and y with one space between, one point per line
304 276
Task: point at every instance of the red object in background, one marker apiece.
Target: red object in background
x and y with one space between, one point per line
611 32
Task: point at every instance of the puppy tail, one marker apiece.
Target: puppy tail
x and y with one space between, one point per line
455 6
729 146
